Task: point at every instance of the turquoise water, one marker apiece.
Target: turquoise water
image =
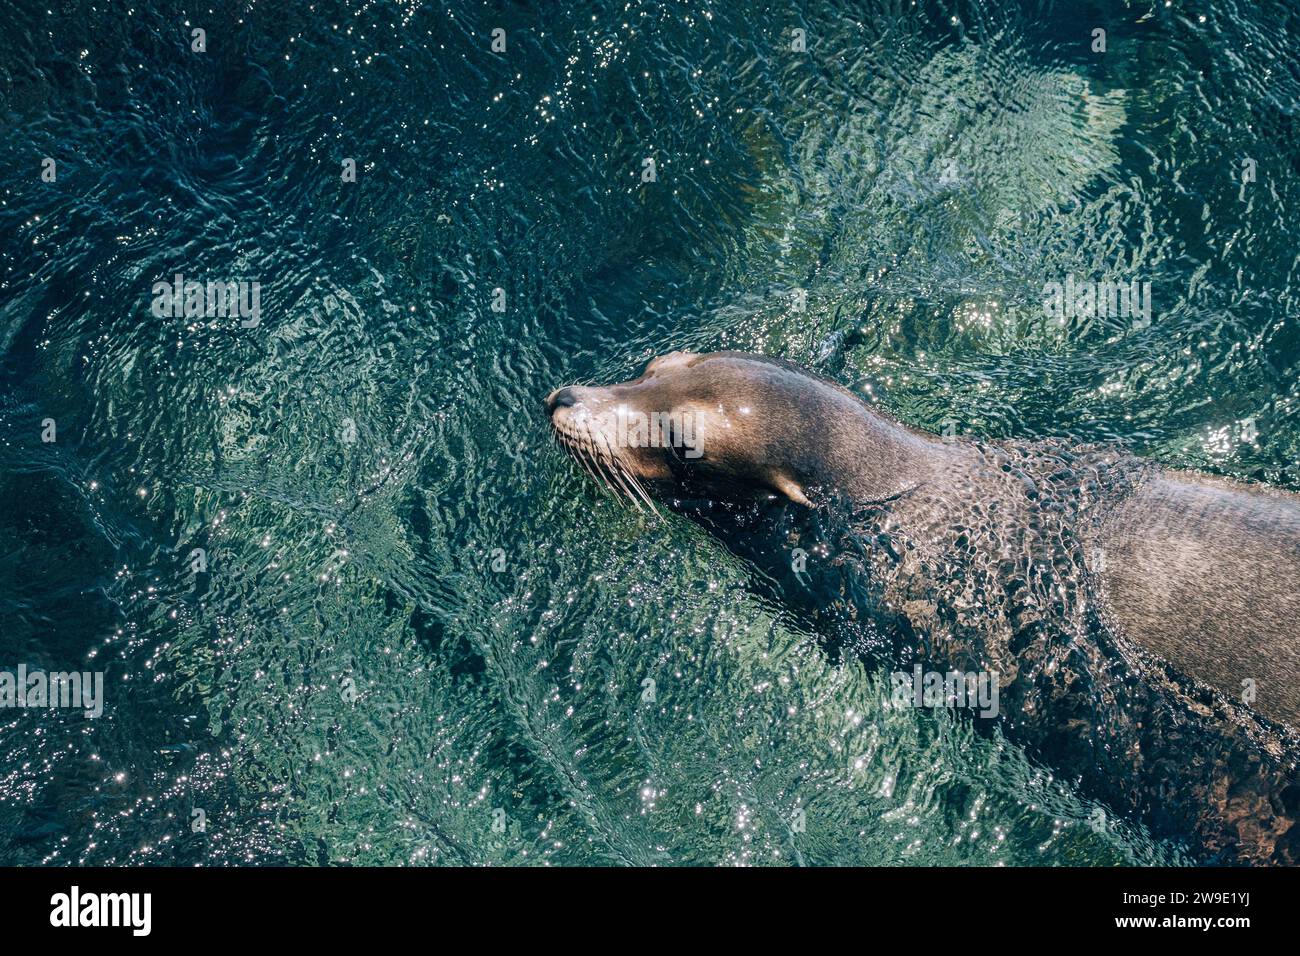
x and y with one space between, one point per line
419 635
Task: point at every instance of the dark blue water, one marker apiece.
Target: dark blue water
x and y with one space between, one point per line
417 634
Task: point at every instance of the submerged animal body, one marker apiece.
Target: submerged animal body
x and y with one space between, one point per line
1141 623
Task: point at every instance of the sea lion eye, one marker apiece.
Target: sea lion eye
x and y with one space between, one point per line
674 443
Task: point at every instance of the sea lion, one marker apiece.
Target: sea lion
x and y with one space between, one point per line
1140 621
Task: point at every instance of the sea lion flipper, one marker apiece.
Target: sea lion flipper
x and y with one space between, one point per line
790 488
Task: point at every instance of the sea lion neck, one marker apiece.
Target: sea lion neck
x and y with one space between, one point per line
864 454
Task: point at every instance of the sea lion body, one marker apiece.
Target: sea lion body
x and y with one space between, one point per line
1205 573
1132 615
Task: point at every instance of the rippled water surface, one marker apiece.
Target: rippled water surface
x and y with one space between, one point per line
421 635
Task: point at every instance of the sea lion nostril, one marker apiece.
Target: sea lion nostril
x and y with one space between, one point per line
561 398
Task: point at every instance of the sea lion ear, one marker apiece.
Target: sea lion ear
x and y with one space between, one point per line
790 488
668 358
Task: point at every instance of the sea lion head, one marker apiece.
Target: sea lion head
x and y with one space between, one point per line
724 426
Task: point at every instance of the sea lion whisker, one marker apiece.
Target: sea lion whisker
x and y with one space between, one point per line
588 466
639 489
606 480
604 461
618 476
621 474
584 459
575 447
